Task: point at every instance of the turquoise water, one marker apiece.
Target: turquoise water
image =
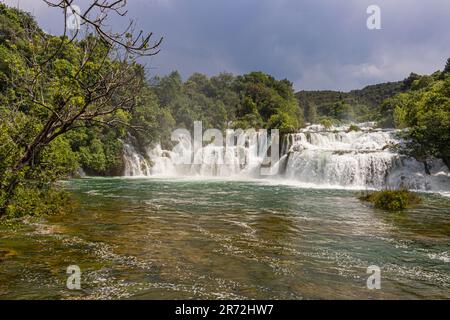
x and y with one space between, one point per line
170 239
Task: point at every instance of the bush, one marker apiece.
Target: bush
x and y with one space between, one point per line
353 127
283 121
36 201
392 200
327 123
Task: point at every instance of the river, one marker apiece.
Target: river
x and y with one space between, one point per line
157 238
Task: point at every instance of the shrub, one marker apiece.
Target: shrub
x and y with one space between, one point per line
327 123
37 201
283 121
353 127
392 200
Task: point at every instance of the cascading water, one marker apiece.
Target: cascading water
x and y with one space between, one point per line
314 156
135 164
356 158
211 160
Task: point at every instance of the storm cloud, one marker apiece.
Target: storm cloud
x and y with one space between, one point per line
316 44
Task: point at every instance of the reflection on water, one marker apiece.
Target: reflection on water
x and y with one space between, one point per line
150 238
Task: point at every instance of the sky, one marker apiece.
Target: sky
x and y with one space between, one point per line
316 44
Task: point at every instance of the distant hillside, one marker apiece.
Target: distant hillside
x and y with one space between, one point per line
374 95
358 105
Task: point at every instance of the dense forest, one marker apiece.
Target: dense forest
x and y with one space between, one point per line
356 105
62 109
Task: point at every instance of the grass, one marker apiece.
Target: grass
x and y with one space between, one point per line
392 200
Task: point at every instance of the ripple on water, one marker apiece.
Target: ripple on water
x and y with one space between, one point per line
235 240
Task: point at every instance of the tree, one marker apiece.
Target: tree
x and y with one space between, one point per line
270 97
168 89
311 113
446 70
425 113
53 85
407 83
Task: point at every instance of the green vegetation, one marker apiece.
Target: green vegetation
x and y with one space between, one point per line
266 103
35 201
64 104
255 100
327 123
418 104
353 127
356 105
392 200
69 104
425 111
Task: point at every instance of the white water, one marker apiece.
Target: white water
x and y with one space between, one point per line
314 156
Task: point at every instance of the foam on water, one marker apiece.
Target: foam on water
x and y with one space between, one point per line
314 157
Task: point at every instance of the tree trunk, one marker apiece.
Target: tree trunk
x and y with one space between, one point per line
446 161
427 168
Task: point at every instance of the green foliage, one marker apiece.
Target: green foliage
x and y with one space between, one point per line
422 82
327 123
36 200
198 99
311 113
57 160
41 138
255 100
353 127
356 105
340 111
282 121
425 112
446 70
267 103
392 200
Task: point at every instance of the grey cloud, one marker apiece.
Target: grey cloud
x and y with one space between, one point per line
315 44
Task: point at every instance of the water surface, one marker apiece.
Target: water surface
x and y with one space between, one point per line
180 238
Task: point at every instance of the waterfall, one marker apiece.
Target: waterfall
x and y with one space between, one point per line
209 161
334 157
341 158
361 159
135 164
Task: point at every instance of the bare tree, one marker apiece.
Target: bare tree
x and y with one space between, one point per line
96 16
103 78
